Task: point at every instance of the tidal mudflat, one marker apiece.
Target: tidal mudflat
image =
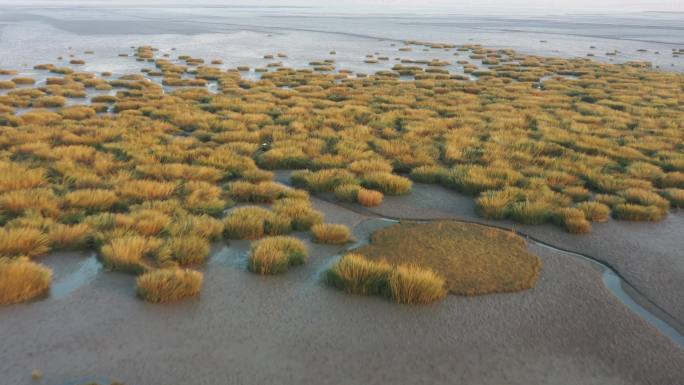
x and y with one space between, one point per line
568 328
183 206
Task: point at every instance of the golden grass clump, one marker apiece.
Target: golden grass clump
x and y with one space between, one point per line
203 226
40 200
386 183
23 80
355 274
24 241
408 284
7 85
577 193
595 211
573 220
205 198
130 253
645 198
75 236
170 171
411 284
370 165
429 174
168 285
146 222
495 204
262 192
472 180
299 212
49 101
22 280
334 234
358 194
253 222
347 192
189 249
369 198
672 179
531 212
634 212
77 112
147 189
275 255
675 196
96 199
324 180
283 158
17 177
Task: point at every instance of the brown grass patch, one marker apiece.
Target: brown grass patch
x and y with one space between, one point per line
473 259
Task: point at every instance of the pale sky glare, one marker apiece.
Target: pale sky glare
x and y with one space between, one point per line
538 5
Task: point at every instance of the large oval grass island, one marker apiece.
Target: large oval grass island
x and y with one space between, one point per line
419 262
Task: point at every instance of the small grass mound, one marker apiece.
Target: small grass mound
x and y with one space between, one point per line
595 211
97 199
369 198
275 255
428 174
634 212
22 280
67 237
128 253
573 220
412 285
262 192
675 196
147 189
332 234
358 194
299 212
356 274
473 259
387 183
324 180
408 284
23 241
189 249
252 222
168 285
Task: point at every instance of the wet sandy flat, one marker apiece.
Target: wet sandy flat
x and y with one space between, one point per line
242 35
648 255
292 329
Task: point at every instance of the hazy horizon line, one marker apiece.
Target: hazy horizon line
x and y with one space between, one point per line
385 6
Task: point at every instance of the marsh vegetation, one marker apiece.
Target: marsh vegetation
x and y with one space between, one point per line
148 174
